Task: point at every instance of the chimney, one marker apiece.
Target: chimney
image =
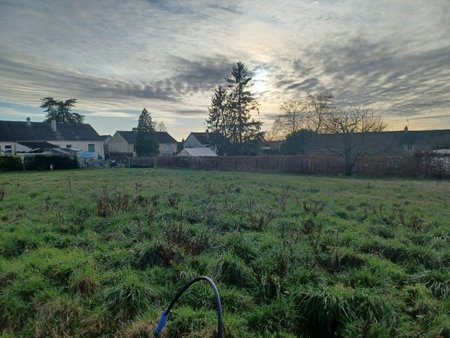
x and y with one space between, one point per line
53 124
28 121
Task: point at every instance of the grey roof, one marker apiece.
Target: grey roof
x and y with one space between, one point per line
161 136
37 145
13 131
388 142
400 137
203 137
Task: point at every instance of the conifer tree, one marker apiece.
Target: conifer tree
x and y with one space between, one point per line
230 114
61 111
217 119
146 142
241 104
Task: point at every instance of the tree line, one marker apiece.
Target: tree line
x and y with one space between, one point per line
302 123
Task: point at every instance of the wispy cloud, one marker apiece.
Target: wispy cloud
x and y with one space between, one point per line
117 56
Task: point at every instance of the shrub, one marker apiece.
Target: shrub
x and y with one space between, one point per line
10 163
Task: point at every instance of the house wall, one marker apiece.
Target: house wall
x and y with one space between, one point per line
118 144
183 153
167 148
192 142
4 144
105 144
81 145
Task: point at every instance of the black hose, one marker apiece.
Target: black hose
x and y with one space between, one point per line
163 319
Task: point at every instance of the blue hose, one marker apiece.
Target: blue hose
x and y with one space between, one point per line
163 319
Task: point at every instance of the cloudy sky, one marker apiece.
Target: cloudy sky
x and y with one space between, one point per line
117 57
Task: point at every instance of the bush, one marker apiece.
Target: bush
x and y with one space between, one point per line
43 162
10 163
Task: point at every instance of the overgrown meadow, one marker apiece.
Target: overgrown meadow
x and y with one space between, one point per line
97 253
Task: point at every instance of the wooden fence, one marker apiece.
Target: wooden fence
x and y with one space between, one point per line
419 165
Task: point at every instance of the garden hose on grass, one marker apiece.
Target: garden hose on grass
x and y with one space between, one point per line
163 319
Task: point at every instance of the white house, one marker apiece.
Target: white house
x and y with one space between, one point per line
197 140
124 142
197 152
17 137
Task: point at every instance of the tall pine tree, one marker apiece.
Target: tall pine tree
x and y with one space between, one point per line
146 142
241 104
218 118
230 114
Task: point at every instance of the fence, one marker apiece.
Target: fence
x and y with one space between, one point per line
282 164
428 165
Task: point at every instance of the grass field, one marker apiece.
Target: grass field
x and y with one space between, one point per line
102 252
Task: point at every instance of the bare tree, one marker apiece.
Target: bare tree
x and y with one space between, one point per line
348 132
160 126
318 108
291 118
352 119
352 134
310 112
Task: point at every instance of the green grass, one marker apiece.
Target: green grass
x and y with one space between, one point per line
102 252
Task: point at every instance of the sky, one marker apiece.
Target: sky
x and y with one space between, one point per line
117 57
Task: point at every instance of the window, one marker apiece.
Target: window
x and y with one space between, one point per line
91 147
68 146
8 149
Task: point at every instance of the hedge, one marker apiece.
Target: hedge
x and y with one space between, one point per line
10 163
43 162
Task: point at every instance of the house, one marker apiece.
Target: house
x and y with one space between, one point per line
106 139
199 139
21 137
271 147
197 152
124 142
